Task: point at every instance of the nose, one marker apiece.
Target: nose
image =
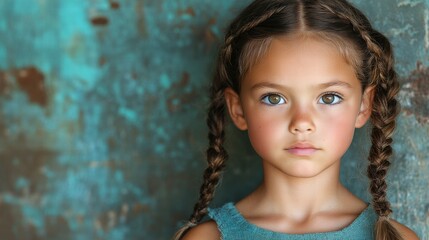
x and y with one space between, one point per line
302 121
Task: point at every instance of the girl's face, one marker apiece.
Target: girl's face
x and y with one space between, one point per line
300 104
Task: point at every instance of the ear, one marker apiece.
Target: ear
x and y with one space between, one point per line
365 107
235 109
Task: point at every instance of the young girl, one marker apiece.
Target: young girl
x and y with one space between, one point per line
300 76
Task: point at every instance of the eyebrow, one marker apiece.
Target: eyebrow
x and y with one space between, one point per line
279 86
336 83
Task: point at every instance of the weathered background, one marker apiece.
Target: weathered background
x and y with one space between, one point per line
102 108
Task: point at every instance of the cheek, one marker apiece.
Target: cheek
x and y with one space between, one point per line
265 133
339 132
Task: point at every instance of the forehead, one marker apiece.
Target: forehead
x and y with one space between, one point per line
300 59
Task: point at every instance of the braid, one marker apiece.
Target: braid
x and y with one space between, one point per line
384 112
385 108
216 157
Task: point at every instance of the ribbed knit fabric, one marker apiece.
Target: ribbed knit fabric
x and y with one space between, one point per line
233 226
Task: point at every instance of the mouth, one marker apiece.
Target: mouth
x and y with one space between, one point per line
302 149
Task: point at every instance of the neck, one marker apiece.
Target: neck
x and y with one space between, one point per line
300 196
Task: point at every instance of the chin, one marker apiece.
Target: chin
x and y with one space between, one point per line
303 171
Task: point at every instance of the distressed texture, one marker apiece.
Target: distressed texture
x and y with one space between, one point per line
102 108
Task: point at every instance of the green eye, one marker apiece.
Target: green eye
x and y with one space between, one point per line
273 99
330 99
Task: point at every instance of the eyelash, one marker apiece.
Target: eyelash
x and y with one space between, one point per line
338 98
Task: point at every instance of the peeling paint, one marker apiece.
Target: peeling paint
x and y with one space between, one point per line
411 3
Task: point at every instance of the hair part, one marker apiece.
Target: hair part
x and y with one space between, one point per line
336 22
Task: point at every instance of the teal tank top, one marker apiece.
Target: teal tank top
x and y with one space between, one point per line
233 226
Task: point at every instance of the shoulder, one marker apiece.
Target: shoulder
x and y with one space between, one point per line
207 230
405 232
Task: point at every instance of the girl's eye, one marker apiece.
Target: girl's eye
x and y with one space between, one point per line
330 99
273 99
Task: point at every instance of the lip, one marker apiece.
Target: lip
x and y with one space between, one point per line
302 149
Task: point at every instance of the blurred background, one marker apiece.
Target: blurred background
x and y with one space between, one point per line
102 116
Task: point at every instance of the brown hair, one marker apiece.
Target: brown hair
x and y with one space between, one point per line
337 22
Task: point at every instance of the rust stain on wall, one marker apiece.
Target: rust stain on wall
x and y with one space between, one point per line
141 21
183 81
101 61
115 5
3 132
417 88
19 165
209 36
3 83
9 214
188 11
176 102
56 227
139 208
32 82
28 164
100 21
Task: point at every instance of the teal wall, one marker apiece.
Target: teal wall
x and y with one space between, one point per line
102 108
